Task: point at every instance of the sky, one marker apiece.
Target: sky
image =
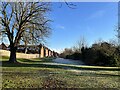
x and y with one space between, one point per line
91 20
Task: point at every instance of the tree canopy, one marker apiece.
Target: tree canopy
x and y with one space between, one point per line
26 21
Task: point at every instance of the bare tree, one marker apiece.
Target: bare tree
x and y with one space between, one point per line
65 52
113 42
118 36
99 41
80 43
21 18
70 5
118 28
26 40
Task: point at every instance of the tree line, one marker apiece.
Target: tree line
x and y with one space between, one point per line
101 53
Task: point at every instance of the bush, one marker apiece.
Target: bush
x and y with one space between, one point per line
103 54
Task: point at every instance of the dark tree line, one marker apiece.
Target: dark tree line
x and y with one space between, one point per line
100 54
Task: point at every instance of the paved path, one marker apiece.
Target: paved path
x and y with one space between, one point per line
68 61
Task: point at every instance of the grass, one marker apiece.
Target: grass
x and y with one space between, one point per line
36 73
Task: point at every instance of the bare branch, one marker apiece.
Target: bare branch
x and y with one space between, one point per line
24 16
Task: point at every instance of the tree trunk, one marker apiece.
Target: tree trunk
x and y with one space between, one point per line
25 47
25 50
12 58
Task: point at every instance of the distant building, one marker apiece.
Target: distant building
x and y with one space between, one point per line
3 46
42 50
29 49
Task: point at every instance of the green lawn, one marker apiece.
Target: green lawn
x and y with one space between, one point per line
33 73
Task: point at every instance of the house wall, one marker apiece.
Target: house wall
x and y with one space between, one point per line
49 53
46 50
2 46
52 53
42 53
19 55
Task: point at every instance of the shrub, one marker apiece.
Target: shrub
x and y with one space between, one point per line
101 54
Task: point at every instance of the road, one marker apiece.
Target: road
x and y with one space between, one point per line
68 61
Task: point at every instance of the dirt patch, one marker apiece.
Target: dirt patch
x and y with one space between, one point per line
50 82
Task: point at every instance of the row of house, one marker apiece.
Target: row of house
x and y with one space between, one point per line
42 50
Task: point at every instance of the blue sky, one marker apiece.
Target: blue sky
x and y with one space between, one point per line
90 20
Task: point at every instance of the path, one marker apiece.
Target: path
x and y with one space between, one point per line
68 61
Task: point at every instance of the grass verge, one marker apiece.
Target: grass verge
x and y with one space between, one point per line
34 73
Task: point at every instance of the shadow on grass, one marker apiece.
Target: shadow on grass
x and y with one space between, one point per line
42 65
91 74
7 64
36 60
96 75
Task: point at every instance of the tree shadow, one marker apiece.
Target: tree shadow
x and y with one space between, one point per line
43 65
36 60
93 74
40 65
19 64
